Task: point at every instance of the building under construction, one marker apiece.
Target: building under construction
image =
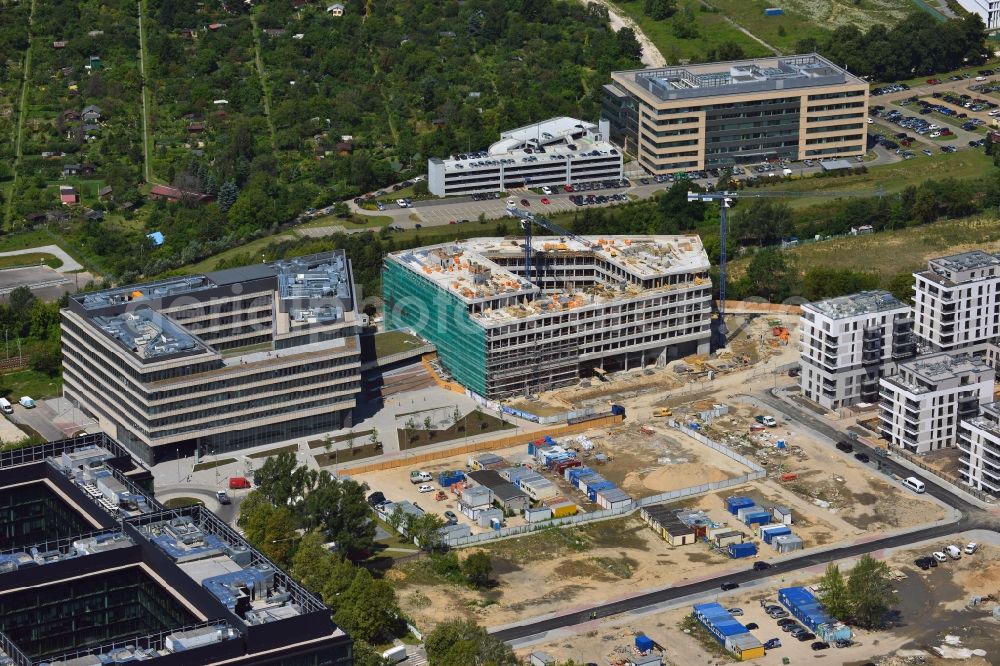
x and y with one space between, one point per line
592 305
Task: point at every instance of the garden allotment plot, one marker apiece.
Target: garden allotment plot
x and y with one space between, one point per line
203 83
13 43
82 102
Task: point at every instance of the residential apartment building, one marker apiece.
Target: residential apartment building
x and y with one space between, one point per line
556 152
593 305
920 407
979 440
848 343
696 117
956 302
221 361
988 10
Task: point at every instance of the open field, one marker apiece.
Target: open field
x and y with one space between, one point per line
705 32
931 605
892 252
30 382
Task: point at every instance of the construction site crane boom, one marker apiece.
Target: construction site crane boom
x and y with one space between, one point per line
527 218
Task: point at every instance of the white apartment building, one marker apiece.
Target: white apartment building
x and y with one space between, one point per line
988 10
555 152
848 343
979 440
921 406
956 302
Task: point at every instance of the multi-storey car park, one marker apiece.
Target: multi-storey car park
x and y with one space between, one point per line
957 302
559 151
979 440
93 571
699 117
220 361
920 407
592 305
848 343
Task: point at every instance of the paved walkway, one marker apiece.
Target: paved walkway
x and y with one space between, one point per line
69 263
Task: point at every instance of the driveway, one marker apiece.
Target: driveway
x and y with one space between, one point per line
40 418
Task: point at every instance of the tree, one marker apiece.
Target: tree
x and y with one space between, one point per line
477 568
901 286
768 276
272 531
462 642
658 10
871 592
834 597
320 571
337 508
428 423
340 209
366 655
228 194
368 609
425 530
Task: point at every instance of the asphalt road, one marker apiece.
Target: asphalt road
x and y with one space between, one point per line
973 517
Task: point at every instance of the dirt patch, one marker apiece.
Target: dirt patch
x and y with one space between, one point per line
676 477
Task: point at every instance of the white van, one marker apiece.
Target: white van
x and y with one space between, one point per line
26 402
953 552
914 484
396 654
5 406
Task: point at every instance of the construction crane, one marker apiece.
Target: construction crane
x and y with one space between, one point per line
527 218
726 199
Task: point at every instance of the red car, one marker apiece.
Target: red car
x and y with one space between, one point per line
546 201
568 188
933 82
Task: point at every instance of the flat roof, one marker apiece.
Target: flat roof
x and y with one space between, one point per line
552 129
853 305
738 77
467 269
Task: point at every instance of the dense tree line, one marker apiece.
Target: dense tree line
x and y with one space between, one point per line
917 46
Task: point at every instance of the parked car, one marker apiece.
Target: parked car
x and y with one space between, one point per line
752 625
971 548
862 457
736 612
451 517
772 643
376 498
820 645
525 203
787 621
769 421
729 586
426 488
26 402
953 552
939 556
846 447
844 643
793 629
222 497
808 636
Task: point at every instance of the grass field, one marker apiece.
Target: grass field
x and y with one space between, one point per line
890 252
30 259
890 178
31 383
712 30
214 463
359 221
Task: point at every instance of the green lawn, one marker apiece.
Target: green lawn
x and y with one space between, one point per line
222 462
31 383
181 502
712 30
30 259
360 221
209 264
395 342
273 452
889 177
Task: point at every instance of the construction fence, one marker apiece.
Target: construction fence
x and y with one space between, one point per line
757 472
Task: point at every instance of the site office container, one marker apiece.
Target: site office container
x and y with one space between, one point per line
757 517
718 621
564 509
744 510
787 543
801 603
527 478
450 478
737 502
573 474
561 466
585 482
740 550
613 498
768 532
535 515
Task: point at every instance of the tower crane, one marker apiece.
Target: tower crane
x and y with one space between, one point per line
726 198
527 218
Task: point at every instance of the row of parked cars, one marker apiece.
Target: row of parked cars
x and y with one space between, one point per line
940 557
793 628
590 199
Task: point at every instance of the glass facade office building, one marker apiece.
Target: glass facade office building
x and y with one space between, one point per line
677 119
217 362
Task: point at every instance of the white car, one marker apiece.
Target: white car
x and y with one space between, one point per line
971 548
935 135
939 556
426 488
871 121
546 190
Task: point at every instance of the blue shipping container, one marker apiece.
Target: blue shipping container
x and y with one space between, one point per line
734 504
774 11
739 550
718 621
769 533
643 643
801 603
446 479
757 518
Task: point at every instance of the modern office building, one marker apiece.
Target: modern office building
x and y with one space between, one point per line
220 361
848 343
696 117
556 152
979 440
921 406
593 305
988 10
94 571
957 302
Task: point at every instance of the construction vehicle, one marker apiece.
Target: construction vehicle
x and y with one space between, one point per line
663 411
